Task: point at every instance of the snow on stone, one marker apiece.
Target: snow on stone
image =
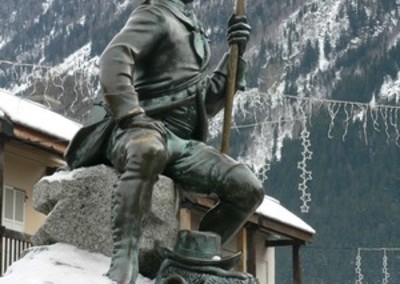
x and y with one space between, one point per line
66 175
37 117
61 264
271 208
62 175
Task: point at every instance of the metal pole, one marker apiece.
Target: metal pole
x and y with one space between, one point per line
231 87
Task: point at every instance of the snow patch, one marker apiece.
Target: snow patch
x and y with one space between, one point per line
271 208
61 264
4 41
46 5
62 175
390 89
323 62
82 20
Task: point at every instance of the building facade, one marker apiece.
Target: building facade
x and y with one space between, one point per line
32 142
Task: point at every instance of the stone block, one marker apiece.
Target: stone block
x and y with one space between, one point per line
78 208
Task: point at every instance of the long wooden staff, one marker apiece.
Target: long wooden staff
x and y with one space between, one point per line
231 87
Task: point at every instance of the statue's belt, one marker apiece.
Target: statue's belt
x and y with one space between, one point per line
167 88
167 102
173 99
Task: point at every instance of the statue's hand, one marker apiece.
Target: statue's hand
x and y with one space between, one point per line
239 32
143 121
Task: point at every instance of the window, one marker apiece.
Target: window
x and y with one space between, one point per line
14 209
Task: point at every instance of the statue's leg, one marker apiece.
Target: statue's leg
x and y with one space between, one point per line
203 169
140 156
240 193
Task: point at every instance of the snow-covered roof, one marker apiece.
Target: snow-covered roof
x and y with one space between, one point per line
36 116
272 209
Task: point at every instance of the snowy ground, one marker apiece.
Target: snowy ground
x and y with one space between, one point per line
61 264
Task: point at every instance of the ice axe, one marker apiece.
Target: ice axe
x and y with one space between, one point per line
231 85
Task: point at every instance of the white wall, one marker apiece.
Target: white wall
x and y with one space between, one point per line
23 168
265 260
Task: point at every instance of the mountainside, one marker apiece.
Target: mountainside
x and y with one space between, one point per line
320 124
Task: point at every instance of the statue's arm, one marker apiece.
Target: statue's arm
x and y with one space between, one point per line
217 84
141 33
238 33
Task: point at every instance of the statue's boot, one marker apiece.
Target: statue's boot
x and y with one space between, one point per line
140 160
131 204
234 208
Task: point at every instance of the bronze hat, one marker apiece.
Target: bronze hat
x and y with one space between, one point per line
200 249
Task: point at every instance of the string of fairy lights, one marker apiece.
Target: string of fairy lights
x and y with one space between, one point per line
360 273
385 263
290 110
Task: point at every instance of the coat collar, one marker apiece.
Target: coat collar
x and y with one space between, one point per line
187 17
178 8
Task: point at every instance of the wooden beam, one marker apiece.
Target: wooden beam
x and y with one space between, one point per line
185 219
242 246
44 141
251 250
296 265
2 168
285 230
281 243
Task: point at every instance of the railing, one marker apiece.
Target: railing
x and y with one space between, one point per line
12 245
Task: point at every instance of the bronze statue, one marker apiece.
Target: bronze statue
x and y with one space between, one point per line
154 84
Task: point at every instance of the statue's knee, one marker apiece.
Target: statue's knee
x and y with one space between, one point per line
147 149
245 187
145 158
